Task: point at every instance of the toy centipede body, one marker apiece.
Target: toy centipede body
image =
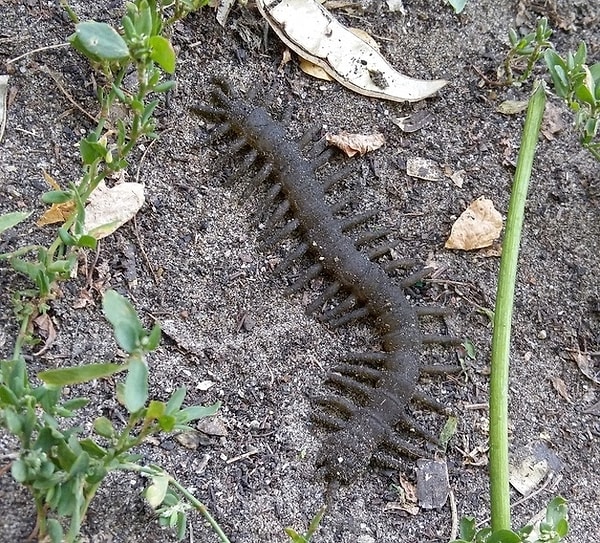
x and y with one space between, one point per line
372 390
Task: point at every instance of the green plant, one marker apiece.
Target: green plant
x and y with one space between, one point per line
457 5
63 469
579 86
555 527
551 530
306 537
576 83
525 51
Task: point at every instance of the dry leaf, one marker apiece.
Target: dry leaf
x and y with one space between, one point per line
223 9
190 440
552 122
285 58
47 330
110 208
458 178
3 103
212 426
423 168
478 226
312 69
352 144
528 474
396 5
408 499
593 409
57 212
512 107
586 366
313 33
560 387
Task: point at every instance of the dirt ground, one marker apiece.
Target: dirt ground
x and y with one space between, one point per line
191 261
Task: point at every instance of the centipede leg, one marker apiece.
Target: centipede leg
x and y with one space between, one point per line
289 259
305 278
329 293
355 315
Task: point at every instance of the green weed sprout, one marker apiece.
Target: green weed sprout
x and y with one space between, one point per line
306 537
525 51
579 86
573 80
62 469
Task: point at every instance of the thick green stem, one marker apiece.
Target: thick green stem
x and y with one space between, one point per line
499 486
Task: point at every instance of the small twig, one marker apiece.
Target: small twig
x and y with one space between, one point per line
67 95
454 512
39 49
136 231
242 456
90 271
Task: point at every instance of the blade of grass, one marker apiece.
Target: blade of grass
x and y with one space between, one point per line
499 485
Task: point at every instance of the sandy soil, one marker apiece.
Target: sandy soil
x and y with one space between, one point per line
191 261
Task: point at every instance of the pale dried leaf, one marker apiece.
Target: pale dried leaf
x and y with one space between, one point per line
561 387
410 490
46 330
512 107
458 178
477 227
528 474
313 33
593 409
212 426
411 509
396 5
423 168
312 69
3 103
190 440
223 9
110 208
205 385
586 366
353 144
285 58
552 122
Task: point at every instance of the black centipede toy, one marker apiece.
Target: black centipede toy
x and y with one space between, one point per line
374 388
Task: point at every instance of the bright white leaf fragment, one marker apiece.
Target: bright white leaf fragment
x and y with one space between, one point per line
223 9
110 208
312 32
478 226
396 5
353 144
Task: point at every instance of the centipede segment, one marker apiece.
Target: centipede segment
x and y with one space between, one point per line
368 410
